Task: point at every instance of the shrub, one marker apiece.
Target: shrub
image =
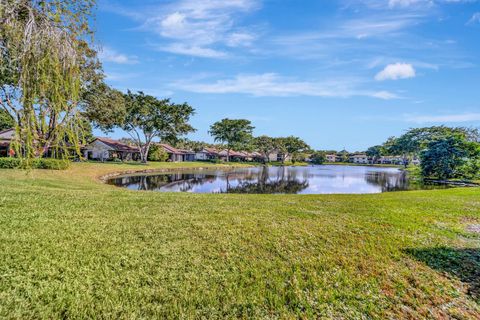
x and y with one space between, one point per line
318 158
157 153
49 164
9 163
470 170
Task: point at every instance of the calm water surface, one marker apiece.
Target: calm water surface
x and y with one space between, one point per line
283 180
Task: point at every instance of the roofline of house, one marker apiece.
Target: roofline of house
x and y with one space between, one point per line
6 130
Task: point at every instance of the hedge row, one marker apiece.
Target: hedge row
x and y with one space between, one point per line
49 164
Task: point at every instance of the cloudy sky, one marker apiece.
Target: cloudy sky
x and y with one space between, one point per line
338 73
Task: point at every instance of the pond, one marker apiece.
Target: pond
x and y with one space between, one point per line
325 179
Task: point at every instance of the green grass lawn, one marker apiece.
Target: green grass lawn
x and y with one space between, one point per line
73 247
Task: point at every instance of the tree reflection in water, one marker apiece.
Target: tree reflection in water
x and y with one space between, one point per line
256 181
281 183
388 182
286 180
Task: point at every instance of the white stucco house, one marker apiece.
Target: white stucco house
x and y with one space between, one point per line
360 159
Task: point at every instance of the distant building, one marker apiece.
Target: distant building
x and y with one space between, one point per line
6 137
277 156
396 160
257 157
331 157
360 158
188 155
207 154
233 155
177 155
106 149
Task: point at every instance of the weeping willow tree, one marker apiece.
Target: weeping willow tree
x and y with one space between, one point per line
46 63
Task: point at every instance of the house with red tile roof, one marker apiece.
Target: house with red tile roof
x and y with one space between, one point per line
177 155
207 154
106 149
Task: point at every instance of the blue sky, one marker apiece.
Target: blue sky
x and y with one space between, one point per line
338 73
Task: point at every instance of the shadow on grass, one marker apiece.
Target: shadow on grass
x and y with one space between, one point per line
464 264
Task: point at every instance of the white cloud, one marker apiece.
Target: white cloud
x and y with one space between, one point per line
359 28
391 4
407 3
107 54
121 76
474 19
193 26
396 71
453 118
194 51
273 85
385 95
240 39
404 4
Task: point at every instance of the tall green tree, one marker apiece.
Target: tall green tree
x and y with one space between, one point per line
289 146
443 157
147 118
415 140
105 107
265 145
234 133
318 157
6 120
375 152
45 60
187 144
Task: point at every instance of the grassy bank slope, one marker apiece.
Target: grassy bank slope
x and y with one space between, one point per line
71 246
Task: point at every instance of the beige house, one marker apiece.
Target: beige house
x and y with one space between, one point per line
105 149
207 154
278 157
331 157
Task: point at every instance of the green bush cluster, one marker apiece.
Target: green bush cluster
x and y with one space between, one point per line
47 164
157 154
318 157
9 163
50 164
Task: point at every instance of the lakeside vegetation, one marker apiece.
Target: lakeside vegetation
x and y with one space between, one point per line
73 247
444 153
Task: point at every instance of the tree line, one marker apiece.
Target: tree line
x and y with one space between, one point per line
444 152
237 134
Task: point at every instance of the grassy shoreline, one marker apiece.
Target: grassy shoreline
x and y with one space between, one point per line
71 246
